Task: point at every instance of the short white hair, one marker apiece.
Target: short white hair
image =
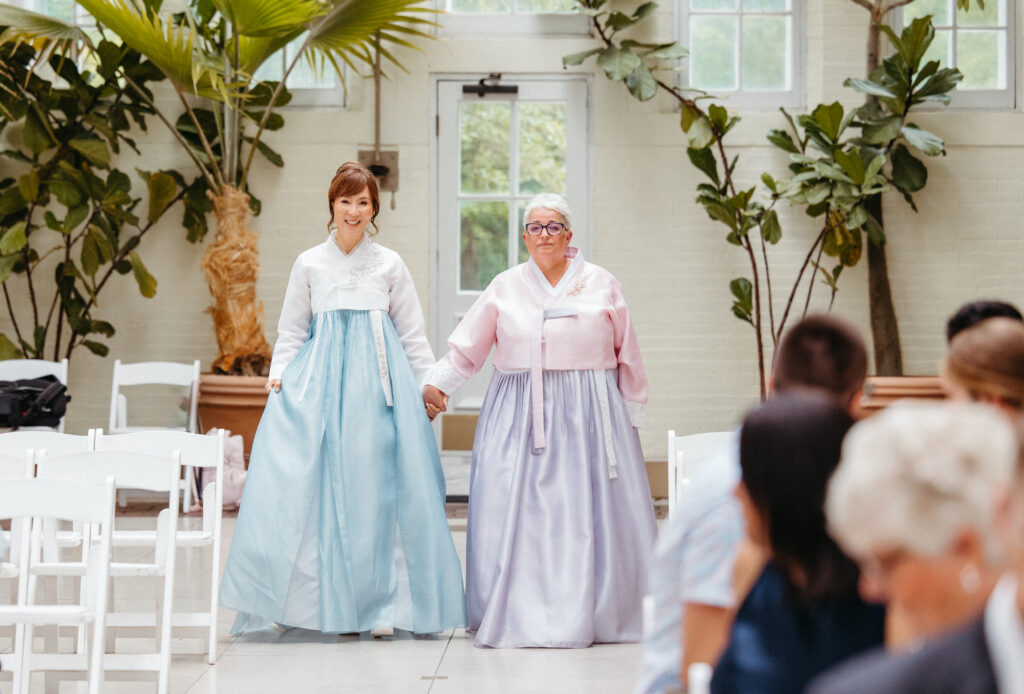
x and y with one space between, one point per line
914 475
550 201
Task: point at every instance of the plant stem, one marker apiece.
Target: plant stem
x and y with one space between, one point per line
14 321
796 284
267 112
810 282
218 180
174 131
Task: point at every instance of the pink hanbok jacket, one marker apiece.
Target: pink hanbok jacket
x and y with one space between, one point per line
581 324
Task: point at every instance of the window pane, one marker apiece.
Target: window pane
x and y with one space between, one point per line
712 4
304 76
713 52
483 243
765 44
542 145
941 48
524 254
474 6
484 136
993 15
272 69
979 56
938 9
766 5
61 9
545 6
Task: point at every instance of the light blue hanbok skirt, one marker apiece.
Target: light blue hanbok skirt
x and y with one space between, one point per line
342 525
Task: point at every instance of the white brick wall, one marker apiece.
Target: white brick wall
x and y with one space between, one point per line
673 261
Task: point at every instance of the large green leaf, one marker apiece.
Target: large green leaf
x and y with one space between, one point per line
909 174
617 63
868 87
925 141
641 83
743 306
882 131
578 58
146 281
704 160
13 239
9 350
162 189
94 150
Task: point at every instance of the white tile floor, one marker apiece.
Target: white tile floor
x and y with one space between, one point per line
305 662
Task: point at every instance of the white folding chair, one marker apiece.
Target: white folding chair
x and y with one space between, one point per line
686 454
135 471
51 499
150 373
197 451
14 369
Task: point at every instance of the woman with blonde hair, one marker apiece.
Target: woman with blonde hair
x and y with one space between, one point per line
986 364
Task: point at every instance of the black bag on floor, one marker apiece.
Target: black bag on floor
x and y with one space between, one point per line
32 402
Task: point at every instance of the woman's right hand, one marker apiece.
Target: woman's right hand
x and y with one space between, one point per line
273 383
435 401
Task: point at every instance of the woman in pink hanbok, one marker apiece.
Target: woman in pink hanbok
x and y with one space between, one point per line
560 516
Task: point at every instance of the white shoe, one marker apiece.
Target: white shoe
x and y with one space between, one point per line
381 632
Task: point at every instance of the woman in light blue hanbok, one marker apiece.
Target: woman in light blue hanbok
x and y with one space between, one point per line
342 525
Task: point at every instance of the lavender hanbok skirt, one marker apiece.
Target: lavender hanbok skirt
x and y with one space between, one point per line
557 550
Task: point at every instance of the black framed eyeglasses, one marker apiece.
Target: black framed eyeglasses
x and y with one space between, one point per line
554 228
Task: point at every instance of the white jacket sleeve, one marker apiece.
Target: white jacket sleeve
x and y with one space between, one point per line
296 315
407 317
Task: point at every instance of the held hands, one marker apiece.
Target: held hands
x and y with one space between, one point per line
435 401
273 383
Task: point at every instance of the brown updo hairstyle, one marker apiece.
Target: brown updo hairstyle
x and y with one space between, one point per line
350 179
988 360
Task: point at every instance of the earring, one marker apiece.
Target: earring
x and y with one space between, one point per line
970 579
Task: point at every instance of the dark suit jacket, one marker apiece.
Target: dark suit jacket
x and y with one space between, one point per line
957 663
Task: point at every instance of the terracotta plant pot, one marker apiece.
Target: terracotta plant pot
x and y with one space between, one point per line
232 402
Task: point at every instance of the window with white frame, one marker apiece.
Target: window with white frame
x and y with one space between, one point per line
308 86
515 17
747 52
980 42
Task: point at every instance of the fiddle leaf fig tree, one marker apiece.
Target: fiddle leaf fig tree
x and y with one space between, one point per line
70 220
841 162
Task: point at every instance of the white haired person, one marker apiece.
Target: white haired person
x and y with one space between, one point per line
916 501
560 523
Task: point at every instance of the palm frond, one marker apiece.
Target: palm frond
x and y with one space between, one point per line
269 18
350 26
253 52
170 48
45 34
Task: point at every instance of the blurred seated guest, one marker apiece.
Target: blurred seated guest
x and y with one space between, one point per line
916 498
972 313
691 579
803 614
986 363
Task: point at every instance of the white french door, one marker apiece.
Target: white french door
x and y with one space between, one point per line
495 152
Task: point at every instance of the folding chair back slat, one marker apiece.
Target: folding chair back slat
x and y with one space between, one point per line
135 470
53 442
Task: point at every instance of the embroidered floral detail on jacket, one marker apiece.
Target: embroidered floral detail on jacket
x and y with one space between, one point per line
578 285
359 273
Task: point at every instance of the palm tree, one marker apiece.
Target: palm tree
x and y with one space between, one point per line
212 51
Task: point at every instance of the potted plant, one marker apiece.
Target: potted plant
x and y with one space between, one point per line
209 54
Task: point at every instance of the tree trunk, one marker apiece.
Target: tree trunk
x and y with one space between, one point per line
885 333
232 267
